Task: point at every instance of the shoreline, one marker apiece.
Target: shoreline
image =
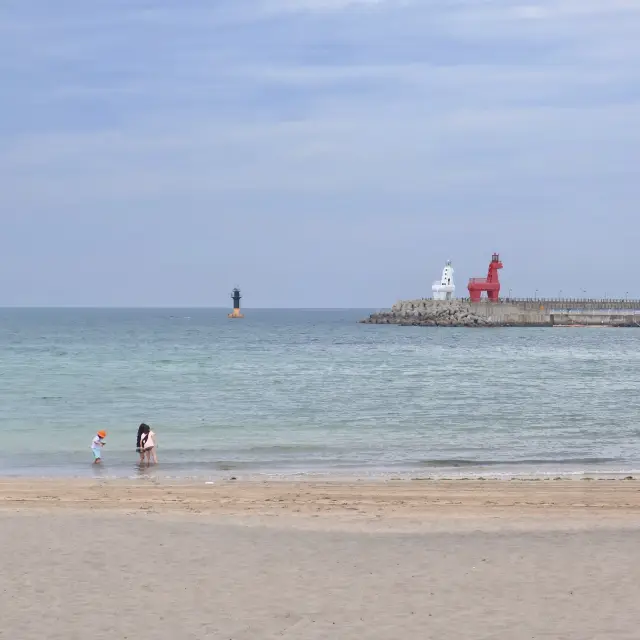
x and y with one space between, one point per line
117 467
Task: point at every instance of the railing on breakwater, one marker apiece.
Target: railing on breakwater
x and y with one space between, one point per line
575 305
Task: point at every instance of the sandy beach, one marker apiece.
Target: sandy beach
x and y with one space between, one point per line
384 560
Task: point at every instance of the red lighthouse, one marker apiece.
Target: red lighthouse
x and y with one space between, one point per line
490 284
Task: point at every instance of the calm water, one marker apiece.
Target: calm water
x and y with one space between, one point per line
312 392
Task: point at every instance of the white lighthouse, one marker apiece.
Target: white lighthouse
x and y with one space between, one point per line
444 289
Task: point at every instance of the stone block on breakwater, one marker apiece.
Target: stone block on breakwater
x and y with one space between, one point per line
457 313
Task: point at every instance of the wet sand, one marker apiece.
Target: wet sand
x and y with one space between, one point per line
423 559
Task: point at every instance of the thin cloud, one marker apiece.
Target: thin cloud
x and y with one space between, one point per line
339 112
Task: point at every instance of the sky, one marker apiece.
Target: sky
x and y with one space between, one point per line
316 153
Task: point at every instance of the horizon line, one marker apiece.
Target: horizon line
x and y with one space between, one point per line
197 307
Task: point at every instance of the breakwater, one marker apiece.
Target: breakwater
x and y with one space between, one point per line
510 313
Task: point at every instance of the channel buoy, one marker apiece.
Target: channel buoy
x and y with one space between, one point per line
236 304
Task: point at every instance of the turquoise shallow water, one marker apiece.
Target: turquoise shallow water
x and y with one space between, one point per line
282 393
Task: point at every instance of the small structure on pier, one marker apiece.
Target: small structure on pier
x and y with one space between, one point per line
236 304
445 288
490 284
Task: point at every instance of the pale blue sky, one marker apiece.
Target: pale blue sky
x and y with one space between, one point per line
316 152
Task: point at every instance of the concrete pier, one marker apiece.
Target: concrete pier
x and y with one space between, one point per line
511 313
574 304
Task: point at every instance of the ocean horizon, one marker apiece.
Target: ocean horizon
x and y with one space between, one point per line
171 307
289 393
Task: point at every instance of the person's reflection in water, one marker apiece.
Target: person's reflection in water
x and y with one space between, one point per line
143 471
98 470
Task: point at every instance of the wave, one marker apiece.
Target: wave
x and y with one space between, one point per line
457 462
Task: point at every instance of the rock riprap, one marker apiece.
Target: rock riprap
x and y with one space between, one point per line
438 313
507 313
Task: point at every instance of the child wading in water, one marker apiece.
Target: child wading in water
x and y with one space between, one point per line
96 446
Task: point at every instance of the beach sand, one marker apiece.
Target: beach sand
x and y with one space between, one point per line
345 560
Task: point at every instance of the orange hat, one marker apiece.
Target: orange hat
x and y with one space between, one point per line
102 434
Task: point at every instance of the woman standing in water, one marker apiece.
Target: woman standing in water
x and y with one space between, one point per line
146 444
139 450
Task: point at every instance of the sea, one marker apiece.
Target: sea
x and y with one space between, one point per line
291 394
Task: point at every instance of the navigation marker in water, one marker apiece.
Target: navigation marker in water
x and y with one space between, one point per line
236 304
